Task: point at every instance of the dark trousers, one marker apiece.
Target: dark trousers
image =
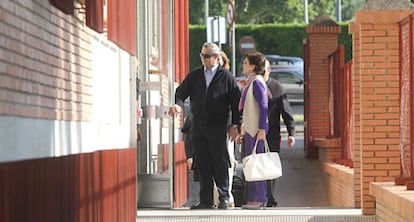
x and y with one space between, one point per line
213 163
271 185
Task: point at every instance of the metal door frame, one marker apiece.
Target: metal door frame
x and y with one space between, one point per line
154 190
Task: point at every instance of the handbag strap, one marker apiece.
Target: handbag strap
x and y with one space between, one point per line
265 144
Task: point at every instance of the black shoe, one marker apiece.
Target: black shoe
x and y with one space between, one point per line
223 204
271 204
201 206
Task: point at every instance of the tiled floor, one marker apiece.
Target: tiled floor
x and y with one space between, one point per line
237 215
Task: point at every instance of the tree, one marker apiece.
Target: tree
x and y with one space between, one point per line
272 11
349 7
269 11
321 7
197 10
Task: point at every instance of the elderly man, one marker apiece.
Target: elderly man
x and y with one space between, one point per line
214 94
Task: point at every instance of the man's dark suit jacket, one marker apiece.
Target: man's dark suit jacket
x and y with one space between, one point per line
278 105
210 107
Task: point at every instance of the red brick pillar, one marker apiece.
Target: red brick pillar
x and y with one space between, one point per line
323 40
355 143
375 98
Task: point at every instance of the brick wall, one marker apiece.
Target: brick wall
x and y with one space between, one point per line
377 76
394 203
356 129
376 112
329 150
57 163
45 63
323 40
340 182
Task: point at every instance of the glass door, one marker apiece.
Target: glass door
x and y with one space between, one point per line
155 73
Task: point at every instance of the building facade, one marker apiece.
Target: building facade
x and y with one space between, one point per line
68 103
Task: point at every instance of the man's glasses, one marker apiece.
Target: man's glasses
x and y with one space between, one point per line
206 56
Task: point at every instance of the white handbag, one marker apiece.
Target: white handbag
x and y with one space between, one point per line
262 166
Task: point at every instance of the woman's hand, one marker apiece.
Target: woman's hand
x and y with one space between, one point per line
239 139
261 135
233 133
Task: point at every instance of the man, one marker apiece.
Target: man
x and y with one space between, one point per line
278 106
213 93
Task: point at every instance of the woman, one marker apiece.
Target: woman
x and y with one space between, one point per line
254 105
224 60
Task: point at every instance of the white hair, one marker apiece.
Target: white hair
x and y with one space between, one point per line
214 49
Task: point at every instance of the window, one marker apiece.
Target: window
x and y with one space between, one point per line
65 6
117 17
286 77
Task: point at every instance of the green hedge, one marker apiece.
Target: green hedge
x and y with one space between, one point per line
270 39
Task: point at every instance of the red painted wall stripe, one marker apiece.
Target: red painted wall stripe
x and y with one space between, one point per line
99 186
94 15
122 18
181 40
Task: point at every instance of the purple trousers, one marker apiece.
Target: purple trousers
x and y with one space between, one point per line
256 190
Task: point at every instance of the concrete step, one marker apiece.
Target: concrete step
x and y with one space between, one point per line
268 215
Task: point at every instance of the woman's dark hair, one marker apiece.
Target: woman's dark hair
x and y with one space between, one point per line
258 60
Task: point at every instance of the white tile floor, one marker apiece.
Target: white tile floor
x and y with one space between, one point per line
238 215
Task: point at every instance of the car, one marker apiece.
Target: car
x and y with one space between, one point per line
288 70
293 83
291 80
284 61
280 62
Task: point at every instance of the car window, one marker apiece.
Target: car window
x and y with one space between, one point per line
285 61
285 77
281 62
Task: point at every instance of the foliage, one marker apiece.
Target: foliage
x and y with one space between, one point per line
270 39
197 9
271 11
349 7
268 11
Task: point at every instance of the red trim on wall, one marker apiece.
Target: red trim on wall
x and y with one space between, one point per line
180 171
181 40
122 16
99 186
180 175
94 15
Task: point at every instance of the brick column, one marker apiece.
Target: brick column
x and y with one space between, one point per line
323 40
375 33
356 129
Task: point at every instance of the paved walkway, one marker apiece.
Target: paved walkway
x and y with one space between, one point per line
301 184
302 197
